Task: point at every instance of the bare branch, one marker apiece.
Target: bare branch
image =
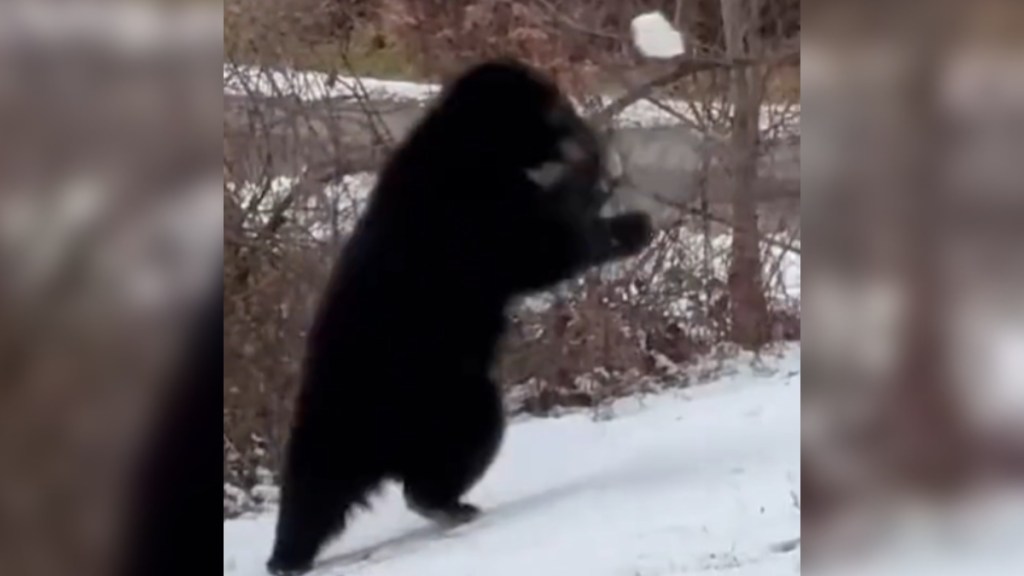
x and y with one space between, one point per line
691 211
690 66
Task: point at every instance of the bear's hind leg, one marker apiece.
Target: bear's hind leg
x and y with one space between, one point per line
437 494
451 451
446 512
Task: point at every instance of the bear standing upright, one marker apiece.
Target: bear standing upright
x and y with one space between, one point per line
496 193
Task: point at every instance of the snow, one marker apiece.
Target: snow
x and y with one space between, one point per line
655 37
242 80
347 197
308 86
694 481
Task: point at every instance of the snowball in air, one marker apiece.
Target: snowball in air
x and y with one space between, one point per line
655 37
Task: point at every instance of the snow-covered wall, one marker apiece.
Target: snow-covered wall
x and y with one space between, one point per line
660 154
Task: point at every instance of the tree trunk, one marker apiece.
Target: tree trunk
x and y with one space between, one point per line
749 310
930 447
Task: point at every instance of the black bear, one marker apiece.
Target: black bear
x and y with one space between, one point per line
497 192
170 497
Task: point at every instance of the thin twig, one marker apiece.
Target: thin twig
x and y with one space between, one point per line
689 66
691 211
556 14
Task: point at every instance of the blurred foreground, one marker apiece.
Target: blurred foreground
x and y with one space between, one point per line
913 200
111 218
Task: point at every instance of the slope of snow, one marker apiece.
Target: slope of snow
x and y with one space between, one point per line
696 481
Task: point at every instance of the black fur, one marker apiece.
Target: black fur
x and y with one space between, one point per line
396 382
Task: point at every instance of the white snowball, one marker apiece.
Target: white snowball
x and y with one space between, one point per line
655 36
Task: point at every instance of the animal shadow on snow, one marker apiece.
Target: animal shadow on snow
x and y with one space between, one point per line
498 513
620 475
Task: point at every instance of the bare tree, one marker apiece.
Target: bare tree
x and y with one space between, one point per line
749 307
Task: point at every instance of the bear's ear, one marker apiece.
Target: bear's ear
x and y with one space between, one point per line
548 174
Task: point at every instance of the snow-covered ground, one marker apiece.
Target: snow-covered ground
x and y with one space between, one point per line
697 481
